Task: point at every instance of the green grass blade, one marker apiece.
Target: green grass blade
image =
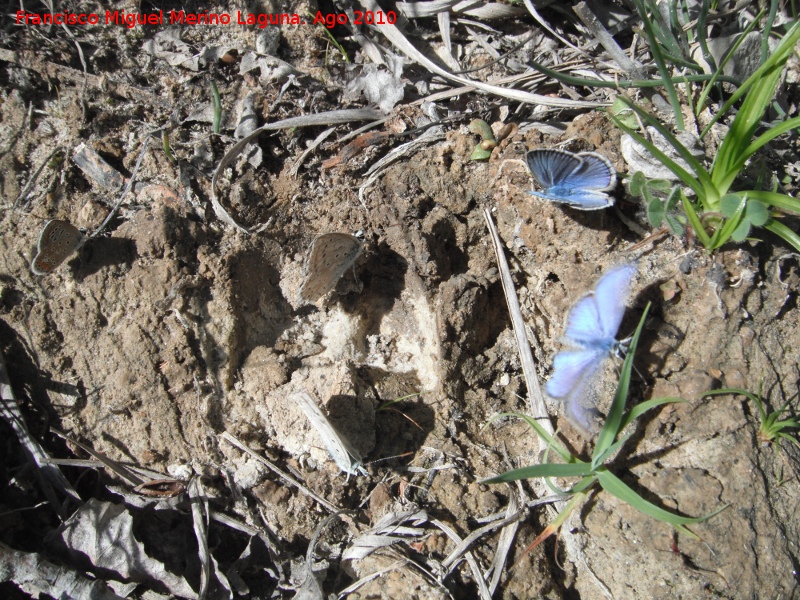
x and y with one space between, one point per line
619 489
728 57
783 231
552 443
724 233
781 55
611 427
694 221
781 201
770 135
583 485
689 179
730 157
396 401
658 58
603 457
580 469
624 84
641 408
732 391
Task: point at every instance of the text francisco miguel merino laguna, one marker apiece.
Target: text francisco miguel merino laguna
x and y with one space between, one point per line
131 20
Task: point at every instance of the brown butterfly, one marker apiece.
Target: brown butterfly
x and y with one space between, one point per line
58 240
331 254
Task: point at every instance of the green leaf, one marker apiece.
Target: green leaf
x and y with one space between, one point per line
482 128
756 212
781 201
480 154
638 183
781 54
552 443
664 70
604 456
724 233
740 233
673 198
659 185
655 212
623 112
770 135
674 225
698 181
729 204
731 154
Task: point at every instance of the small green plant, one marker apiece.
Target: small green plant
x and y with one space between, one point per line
484 149
597 470
771 430
390 403
719 214
660 210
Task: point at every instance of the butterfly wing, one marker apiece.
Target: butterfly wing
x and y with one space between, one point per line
570 369
579 403
551 167
347 458
57 241
576 197
330 256
577 180
584 324
610 295
594 173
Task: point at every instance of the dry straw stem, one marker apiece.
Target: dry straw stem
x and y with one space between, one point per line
199 504
9 410
473 564
125 474
332 117
394 35
285 476
536 403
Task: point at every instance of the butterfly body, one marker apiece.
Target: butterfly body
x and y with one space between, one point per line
577 180
591 329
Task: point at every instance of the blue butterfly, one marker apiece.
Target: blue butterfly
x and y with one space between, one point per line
578 180
592 326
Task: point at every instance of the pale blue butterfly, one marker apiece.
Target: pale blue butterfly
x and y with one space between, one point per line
592 326
577 180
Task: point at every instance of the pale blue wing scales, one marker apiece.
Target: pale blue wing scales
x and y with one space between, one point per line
575 197
584 324
594 173
610 295
576 404
570 368
551 167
